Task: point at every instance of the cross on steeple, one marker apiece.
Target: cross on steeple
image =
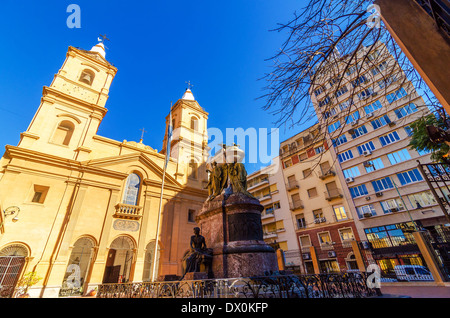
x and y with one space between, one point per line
142 135
189 84
103 38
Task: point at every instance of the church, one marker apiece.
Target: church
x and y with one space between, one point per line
80 209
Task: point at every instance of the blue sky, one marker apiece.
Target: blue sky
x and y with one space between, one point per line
220 46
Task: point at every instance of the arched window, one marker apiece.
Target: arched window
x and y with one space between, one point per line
192 169
87 77
63 133
194 123
132 189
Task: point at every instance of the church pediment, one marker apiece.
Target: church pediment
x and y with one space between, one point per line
153 172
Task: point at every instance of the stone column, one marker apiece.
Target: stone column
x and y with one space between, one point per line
428 256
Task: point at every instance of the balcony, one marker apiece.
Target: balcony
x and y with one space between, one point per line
333 194
327 174
127 211
296 205
292 185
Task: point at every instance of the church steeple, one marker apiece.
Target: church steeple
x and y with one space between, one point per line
189 138
73 106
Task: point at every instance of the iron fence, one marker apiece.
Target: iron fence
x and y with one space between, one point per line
342 285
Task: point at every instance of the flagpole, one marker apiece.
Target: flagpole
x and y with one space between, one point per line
166 158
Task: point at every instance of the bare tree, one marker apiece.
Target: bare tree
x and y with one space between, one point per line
326 41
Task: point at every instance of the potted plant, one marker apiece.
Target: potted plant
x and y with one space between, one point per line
26 282
93 292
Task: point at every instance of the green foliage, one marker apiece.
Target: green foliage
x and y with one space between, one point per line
420 140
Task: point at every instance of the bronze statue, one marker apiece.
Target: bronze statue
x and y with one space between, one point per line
238 178
197 254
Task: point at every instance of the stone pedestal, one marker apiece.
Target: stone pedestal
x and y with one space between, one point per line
195 276
231 225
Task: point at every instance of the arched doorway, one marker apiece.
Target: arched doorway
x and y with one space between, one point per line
148 261
12 261
120 260
78 267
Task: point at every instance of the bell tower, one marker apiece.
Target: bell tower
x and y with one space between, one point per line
189 145
73 106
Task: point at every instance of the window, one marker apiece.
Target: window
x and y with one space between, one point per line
324 238
409 176
312 192
345 104
398 156
340 213
373 165
379 68
40 193
352 118
387 81
380 122
361 130
365 147
192 169
306 173
389 138
63 133
301 223
344 156
305 241
396 95
319 91
373 55
406 110
382 184
365 93
422 199
334 126
132 189
339 140
317 214
341 91
351 172
423 152
288 163
191 215
346 234
366 210
325 101
194 123
318 150
372 107
358 191
359 81
393 205
87 77
409 131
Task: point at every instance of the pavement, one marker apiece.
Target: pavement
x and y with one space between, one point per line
399 291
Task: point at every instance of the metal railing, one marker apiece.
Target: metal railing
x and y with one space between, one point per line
339 285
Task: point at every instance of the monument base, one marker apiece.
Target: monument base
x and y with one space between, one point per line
231 225
195 276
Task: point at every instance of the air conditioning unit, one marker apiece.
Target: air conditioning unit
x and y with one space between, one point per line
306 256
379 194
393 209
331 254
317 220
367 152
369 115
367 215
392 123
351 131
355 122
350 179
367 198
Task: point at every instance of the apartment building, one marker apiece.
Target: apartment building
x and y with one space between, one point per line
369 135
267 185
324 225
